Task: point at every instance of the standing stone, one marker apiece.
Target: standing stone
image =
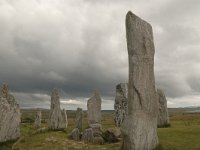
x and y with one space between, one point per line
64 118
75 134
94 117
9 116
94 109
139 128
38 118
78 119
57 118
121 103
163 117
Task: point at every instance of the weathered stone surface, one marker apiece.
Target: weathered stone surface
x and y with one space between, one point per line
9 116
163 117
140 125
94 109
75 134
38 118
78 119
96 129
57 118
88 135
64 118
112 135
121 103
116 131
98 140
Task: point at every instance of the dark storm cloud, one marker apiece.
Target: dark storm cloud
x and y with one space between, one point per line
80 46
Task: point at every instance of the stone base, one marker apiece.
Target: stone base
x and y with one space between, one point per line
139 132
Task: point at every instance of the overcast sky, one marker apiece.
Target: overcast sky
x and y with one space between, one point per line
79 46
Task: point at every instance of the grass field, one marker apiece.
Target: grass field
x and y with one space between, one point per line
183 134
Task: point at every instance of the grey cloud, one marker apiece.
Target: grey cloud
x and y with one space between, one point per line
80 46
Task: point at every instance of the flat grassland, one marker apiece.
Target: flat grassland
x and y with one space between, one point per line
183 134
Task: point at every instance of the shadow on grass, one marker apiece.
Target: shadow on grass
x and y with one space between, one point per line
165 126
159 147
7 145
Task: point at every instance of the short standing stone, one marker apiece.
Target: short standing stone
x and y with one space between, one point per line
121 103
9 116
64 118
163 117
94 109
75 134
139 128
38 118
78 119
57 118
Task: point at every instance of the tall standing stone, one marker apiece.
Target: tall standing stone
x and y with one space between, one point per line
121 103
140 126
163 116
38 118
94 109
57 118
78 119
9 116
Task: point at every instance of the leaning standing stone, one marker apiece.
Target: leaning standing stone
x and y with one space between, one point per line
38 118
163 117
9 116
139 128
78 119
121 103
57 118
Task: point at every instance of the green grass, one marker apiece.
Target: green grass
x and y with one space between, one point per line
183 134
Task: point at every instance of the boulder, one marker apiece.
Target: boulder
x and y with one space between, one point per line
139 128
57 118
121 103
163 116
116 131
10 116
87 136
78 119
96 129
98 140
112 135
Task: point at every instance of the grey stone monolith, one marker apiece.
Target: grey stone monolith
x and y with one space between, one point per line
139 128
9 116
163 116
38 118
78 119
58 117
64 118
94 109
121 103
94 117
